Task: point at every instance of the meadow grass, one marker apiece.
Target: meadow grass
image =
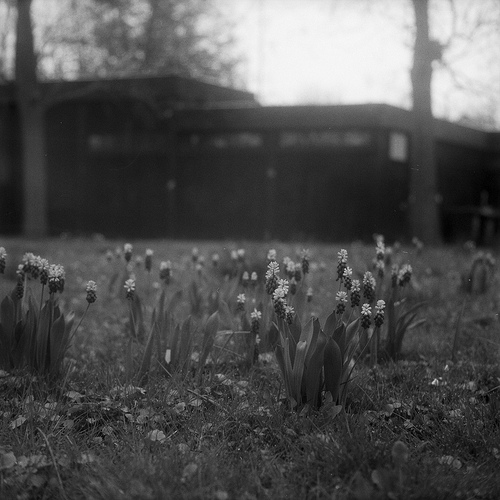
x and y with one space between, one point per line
230 433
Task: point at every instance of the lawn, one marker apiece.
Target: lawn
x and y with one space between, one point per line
170 394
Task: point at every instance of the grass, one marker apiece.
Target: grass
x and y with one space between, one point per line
232 435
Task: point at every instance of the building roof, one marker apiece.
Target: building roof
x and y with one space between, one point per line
163 93
330 116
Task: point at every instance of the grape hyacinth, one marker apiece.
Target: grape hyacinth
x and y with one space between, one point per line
240 254
342 264
91 290
215 259
341 299
366 312
166 271
272 274
394 275
44 272
240 301
289 312
279 298
379 313
32 265
56 278
127 251
369 285
148 261
404 275
281 290
289 267
255 317
380 268
253 279
355 293
130 288
380 250
195 253
347 278
245 278
3 255
298 271
271 255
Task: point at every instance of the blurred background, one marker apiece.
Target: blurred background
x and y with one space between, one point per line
96 93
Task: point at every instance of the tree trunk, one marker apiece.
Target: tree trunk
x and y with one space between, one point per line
31 114
424 216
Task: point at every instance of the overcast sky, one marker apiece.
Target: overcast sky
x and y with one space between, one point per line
351 51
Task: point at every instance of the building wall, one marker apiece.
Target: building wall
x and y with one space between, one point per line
106 169
325 173
244 173
322 173
10 172
289 184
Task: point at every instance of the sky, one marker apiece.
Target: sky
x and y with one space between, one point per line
355 51
318 50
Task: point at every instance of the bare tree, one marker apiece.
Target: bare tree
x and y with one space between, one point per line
147 37
424 210
476 25
6 15
125 38
31 114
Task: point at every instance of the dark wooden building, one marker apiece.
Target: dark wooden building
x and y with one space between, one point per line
171 157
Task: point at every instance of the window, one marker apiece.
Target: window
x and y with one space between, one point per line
222 140
139 142
325 138
398 147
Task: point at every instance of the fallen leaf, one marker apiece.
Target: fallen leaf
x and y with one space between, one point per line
107 430
244 405
189 471
17 422
180 407
156 435
445 460
183 448
86 458
7 460
450 460
388 410
38 461
37 481
438 382
76 396
64 461
68 424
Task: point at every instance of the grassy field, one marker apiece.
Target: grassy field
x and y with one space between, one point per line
226 430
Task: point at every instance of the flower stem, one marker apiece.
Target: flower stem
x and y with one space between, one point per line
79 323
